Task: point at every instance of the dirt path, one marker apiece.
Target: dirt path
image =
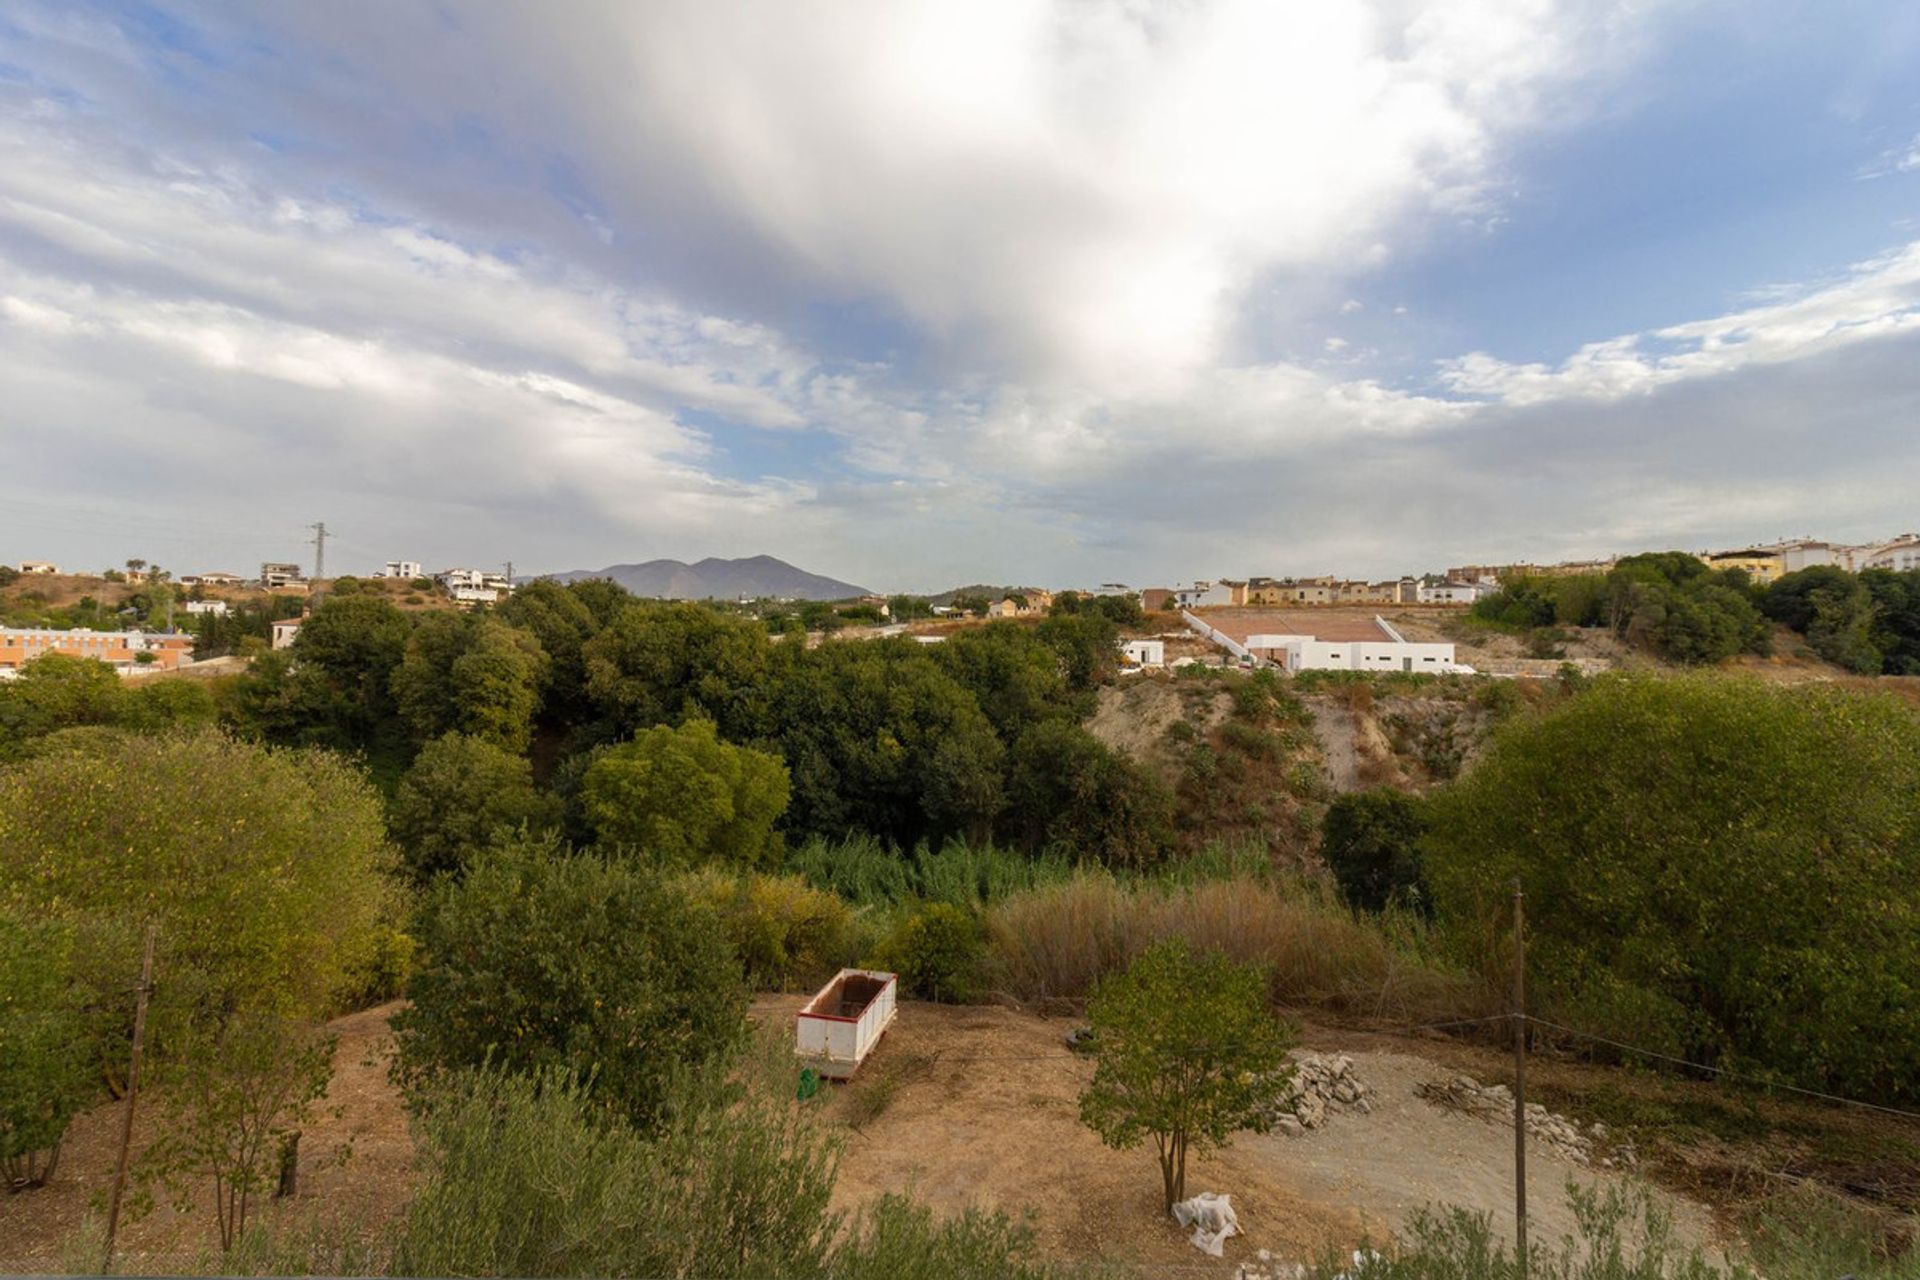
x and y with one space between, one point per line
1409 1153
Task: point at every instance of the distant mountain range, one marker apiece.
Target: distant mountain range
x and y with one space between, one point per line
713 579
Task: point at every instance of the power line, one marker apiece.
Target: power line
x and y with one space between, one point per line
1724 1073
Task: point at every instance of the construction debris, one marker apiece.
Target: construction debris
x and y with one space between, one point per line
1593 1146
1320 1085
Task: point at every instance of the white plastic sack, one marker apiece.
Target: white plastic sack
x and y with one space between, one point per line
1212 1220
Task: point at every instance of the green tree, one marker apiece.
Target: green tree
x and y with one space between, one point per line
356 642
286 703
233 1101
1067 791
49 1055
1896 628
1017 680
661 664
1718 868
472 674
461 795
560 619
1186 1052
1087 644
263 871
878 738
539 959
55 691
683 797
1371 841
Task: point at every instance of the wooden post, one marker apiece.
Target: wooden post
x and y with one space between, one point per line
1519 1078
133 1092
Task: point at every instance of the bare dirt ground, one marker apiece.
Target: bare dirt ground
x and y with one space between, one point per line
960 1107
1134 715
355 1164
983 1112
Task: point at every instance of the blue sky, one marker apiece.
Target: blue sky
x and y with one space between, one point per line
916 294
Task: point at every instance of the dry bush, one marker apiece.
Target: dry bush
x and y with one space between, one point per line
1057 942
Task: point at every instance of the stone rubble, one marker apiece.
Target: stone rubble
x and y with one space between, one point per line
1321 1085
1593 1146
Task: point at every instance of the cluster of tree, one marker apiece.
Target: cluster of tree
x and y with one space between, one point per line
1716 868
1867 622
1666 602
56 692
259 876
910 743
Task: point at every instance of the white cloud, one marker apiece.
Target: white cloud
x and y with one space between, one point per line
1877 299
1055 189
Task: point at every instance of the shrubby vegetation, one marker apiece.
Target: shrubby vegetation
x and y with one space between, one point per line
682 797
1667 602
1649 820
538 958
1868 623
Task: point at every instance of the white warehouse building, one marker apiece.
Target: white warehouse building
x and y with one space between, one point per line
1286 641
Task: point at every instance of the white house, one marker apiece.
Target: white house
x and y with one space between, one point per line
1899 555
218 608
284 632
400 569
38 566
1145 653
1456 592
1203 595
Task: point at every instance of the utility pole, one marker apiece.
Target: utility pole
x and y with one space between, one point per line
509 577
319 550
1519 1077
133 1092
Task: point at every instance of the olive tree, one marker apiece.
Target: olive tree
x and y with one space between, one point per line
1186 1052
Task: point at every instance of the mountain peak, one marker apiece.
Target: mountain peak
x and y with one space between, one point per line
717 579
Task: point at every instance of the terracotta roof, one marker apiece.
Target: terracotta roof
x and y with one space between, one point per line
1241 623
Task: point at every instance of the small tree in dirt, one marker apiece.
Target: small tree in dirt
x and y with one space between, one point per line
233 1103
1187 1050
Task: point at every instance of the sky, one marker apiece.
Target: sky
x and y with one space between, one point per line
919 294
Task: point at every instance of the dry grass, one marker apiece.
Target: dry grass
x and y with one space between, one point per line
1057 942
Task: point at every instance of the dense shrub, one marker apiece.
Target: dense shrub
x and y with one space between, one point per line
679 796
1371 841
786 932
527 1176
538 958
1728 867
937 953
460 795
1070 793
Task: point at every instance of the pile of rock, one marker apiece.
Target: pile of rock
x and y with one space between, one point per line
1590 1146
1321 1085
